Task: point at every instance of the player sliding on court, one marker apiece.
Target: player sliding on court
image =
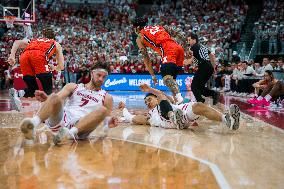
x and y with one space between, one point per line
75 111
162 113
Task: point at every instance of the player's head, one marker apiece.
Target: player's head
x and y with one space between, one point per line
99 73
139 23
151 100
48 33
192 38
268 75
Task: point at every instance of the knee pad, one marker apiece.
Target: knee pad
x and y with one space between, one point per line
165 107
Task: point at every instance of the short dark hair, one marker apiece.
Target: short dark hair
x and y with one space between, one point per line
280 59
270 73
139 22
101 65
193 36
48 33
149 94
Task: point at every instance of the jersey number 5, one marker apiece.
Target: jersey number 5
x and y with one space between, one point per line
85 101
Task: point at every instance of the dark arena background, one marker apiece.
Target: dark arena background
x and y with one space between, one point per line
246 39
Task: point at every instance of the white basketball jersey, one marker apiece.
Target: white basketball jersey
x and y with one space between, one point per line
82 102
157 120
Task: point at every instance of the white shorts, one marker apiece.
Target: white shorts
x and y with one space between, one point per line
186 108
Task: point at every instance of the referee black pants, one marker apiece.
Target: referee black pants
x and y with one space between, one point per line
203 74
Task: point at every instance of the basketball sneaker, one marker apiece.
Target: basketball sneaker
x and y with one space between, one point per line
28 129
228 121
63 135
235 114
15 100
177 119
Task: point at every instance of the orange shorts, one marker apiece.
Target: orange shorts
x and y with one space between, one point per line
172 53
33 62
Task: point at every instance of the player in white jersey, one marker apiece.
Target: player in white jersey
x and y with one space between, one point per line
166 115
75 111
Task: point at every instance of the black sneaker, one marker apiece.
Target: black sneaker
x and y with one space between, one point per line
216 97
235 114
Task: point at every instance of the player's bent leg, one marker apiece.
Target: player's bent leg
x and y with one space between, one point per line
211 114
46 82
170 82
83 127
31 85
176 116
51 108
92 120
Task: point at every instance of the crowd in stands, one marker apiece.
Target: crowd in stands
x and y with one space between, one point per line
269 29
217 22
238 79
103 33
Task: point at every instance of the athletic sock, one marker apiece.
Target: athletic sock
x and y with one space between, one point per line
74 131
21 93
36 121
259 98
224 120
128 116
268 98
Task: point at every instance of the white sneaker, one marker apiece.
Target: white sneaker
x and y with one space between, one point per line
177 119
63 135
15 100
28 129
235 114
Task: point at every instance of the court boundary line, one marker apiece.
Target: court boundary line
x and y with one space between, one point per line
220 178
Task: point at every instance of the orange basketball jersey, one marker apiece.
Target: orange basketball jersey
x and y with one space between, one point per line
45 45
154 37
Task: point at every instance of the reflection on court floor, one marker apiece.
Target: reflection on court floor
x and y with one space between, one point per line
206 156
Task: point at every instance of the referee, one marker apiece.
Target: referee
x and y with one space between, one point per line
200 55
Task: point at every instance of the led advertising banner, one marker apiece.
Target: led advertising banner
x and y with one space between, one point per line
131 82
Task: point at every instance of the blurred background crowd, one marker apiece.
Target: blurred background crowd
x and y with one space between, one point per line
104 33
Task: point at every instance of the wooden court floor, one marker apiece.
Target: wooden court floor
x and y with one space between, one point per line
206 156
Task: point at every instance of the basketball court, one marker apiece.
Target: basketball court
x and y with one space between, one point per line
204 156
132 156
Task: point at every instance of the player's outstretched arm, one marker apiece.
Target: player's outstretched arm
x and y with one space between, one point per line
146 59
66 91
59 57
161 95
134 119
16 45
109 103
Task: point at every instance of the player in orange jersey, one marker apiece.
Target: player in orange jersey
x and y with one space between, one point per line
34 61
157 38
